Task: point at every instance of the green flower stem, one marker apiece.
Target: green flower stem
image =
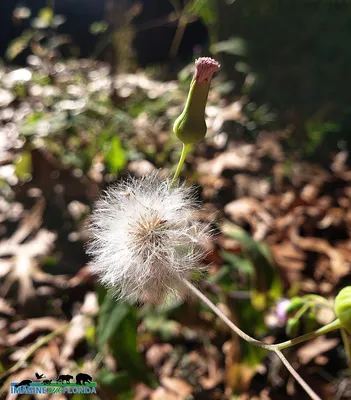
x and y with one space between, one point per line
347 346
185 150
302 310
321 331
319 300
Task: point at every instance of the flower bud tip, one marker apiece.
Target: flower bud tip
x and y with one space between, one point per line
205 67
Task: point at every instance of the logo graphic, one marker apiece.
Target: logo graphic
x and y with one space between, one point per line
59 385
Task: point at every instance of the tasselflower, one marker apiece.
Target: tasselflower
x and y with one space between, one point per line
145 240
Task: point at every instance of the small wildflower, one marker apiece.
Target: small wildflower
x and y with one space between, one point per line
190 126
281 310
145 239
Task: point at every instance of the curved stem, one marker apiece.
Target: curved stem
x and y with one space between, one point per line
250 339
319 300
225 319
347 345
302 310
185 150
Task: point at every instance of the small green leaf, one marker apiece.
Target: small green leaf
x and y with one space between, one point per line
24 166
90 335
241 264
98 27
44 18
46 14
265 279
235 46
17 45
115 157
292 327
309 322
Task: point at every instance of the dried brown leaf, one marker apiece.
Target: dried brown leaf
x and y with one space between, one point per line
240 158
338 264
157 352
32 326
315 348
177 386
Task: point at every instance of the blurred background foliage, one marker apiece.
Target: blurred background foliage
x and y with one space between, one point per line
286 56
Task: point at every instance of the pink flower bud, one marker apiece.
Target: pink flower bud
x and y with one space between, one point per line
205 67
190 126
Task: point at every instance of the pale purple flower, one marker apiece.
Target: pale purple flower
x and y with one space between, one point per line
281 308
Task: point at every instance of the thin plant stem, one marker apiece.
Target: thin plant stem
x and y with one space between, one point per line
249 339
347 346
302 310
182 23
298 378
225 319
336 324
319 300
185 150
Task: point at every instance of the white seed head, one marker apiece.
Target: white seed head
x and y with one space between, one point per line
145 239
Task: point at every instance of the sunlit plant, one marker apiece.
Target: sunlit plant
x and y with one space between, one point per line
146 242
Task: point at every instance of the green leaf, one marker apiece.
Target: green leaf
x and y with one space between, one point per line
24 166
159 324
111 315
119 381
124 348
44 18
115 157
205 9
235 46
117 327
241 264
90 334
46 14
292 327
295 304
98 27
266 284
17 45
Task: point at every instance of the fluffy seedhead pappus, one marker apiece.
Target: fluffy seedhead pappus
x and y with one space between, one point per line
145 239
